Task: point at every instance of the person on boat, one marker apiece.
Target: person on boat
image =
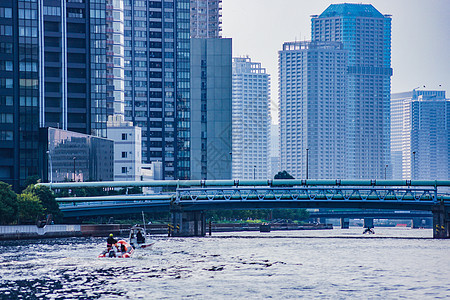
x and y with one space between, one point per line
140 237
111 241
123 249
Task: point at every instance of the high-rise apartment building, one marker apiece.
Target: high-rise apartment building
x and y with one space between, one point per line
206 18
366 34
115 98
420 137
157 77
53 73
251 120
274 152
312 95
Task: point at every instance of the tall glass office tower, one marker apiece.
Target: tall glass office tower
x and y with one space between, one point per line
157 76
366 35
53 73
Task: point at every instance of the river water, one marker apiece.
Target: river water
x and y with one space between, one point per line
330 264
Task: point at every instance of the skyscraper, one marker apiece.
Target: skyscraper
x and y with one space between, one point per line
421 135
210 93
312 94
53 73
74 60
211 103
366 34
251 120
115 99
157 76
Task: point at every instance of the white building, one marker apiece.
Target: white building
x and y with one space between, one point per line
115 58
420 135
127 149
274 153
312 94
251 120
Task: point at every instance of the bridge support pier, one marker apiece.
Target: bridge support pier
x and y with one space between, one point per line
368 223
188 223
417 223
345 223
441 222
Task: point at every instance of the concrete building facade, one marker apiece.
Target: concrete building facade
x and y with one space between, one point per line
206 18
127 149
312 95
274 153
251 120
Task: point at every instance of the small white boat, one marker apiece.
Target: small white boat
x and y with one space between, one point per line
139 238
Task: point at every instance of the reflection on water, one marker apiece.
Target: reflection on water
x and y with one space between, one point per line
281 264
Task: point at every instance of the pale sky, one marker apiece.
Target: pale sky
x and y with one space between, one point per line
420 36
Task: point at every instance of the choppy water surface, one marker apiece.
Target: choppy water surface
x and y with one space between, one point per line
337 264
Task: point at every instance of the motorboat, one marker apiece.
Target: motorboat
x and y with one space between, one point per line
139 238
125 251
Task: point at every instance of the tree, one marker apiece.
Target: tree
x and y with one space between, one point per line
31 180
8 204
30 208
283 175
47 199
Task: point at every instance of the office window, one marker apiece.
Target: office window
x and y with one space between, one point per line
124 154
124 170
124 137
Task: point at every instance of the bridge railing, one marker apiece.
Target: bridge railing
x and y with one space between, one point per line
306 193
249 183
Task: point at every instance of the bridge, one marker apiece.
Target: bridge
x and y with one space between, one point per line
190 198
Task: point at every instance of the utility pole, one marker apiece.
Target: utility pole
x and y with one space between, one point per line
307 150
74 159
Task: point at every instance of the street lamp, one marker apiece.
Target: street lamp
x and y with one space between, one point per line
51 166
74 159
307 149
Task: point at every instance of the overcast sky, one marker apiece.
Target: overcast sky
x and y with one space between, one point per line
420 35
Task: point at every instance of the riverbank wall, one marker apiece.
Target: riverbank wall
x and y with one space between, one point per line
21 232
273 227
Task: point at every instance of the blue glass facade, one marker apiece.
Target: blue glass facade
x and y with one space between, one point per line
53 74
72 156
